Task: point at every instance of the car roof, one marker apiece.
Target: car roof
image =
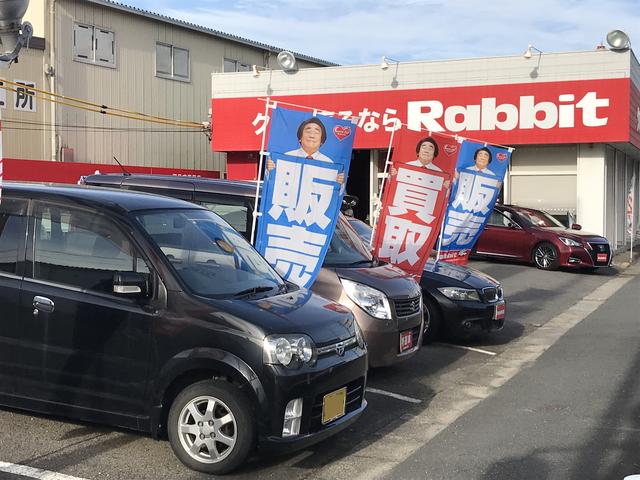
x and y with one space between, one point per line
104 197
212 185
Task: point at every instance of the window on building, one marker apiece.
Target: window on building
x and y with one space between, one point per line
94 45
172 62
235 66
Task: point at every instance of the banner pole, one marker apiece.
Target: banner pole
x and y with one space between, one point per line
633 219
384 179
444 217
260 162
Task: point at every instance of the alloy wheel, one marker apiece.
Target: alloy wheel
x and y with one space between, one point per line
207 429
545 256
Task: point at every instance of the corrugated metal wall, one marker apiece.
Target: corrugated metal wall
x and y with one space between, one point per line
133 85
26 134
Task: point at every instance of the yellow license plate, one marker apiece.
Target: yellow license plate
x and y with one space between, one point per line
333 405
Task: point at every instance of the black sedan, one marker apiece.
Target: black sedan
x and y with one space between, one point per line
460 301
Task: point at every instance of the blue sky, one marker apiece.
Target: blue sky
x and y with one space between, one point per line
359 31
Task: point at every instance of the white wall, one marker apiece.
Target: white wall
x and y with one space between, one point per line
590 188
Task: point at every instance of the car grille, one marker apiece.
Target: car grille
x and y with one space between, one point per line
404 308
355 395
339 347
492 294
597 248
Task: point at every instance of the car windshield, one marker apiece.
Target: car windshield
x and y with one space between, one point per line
363 230
211 258
346 248
539 218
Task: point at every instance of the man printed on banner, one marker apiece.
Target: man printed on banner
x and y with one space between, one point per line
474 194
426 151
311 136
301 198
415 199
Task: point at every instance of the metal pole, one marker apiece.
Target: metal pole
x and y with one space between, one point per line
384 179
260 161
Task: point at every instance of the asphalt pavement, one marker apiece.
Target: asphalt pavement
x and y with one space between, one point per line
572 414
419 411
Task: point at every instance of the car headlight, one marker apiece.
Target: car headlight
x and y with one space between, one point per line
569 242
289 350
455 293
372 301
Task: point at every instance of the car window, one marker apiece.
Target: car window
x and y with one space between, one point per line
499 219
81 248
12 232
539 218
212 258
235 211
346 247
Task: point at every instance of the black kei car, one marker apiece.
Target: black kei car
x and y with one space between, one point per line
153 314
458 301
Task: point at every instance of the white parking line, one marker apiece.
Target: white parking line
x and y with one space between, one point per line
472 349
393 395
34 472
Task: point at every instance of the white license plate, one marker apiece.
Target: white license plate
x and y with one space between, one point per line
602 257
406 341
500 311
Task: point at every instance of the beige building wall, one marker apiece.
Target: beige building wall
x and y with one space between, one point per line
26 131
132 85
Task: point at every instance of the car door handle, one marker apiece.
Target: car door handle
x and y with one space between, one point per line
42 304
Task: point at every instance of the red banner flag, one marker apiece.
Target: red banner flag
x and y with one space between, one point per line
415 199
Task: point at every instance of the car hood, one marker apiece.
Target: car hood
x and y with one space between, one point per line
300 311
574 234
390 280
442 274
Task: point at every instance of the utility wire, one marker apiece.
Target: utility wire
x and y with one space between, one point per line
94 107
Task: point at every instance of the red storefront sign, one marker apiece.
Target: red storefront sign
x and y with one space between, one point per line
514 114
70 172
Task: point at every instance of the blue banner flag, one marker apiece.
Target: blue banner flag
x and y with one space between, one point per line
306 172
479 175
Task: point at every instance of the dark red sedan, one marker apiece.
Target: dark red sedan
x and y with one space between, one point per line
525 234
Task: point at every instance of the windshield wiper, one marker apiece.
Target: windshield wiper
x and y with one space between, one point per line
252 291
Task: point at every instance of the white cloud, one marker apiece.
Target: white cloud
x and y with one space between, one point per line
360 31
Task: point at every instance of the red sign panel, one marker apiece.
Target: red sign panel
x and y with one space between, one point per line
514 114
70 172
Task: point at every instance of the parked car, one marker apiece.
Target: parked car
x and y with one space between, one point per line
458 301
385 300
534 236
153 314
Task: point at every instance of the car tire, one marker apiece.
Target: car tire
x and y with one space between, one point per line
545 256
431 316
211 427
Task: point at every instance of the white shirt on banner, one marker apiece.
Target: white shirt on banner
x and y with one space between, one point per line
428 166
315 155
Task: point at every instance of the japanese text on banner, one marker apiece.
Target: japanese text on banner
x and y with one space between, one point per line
479 176
415 199
304 184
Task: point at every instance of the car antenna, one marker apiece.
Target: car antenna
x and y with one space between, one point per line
126 174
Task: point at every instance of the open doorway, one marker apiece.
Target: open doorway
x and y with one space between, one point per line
358 182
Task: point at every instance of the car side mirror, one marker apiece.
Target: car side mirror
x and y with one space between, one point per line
131 283
576 226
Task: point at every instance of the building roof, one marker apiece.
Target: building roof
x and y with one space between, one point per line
205 30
